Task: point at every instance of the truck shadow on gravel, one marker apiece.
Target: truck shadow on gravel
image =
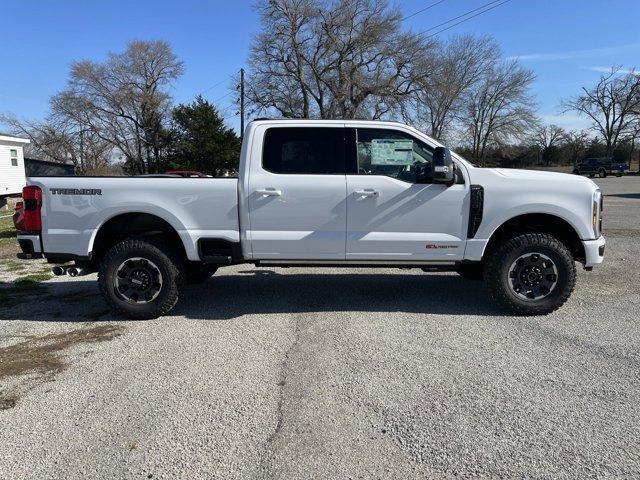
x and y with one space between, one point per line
634 196
255 291
268 291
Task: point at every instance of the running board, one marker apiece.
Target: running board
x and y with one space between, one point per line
431 266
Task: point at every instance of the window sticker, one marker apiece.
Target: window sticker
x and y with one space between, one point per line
391 152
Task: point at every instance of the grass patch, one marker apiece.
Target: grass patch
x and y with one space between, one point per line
18 292
32 278
13 266
8 242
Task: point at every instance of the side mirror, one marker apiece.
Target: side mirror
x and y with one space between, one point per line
442 166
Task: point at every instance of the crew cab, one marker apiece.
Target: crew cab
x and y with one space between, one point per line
600 166
321 193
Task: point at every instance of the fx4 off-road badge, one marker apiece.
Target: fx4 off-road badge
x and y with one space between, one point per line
75 191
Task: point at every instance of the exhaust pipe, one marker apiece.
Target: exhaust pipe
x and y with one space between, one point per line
58 271
78 271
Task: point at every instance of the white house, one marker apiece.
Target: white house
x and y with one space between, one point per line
12 176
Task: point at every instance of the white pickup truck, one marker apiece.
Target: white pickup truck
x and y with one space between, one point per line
321 193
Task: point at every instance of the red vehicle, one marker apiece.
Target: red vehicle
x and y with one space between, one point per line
18 216
187 173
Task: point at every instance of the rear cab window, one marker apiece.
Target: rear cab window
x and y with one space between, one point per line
304 150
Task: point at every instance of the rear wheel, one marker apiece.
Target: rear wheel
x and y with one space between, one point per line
602 173
530 274
140 278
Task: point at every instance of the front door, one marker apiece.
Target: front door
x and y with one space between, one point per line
394 211
297 208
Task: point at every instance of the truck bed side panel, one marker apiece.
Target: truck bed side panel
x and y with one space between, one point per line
195 207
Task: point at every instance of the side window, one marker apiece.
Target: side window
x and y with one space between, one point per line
14 157
394 154
302 150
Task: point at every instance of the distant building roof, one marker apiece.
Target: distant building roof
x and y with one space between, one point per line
14 139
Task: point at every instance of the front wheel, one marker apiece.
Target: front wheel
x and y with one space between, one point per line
602 173
530 274
141 278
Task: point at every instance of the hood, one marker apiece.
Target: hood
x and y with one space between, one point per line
542 175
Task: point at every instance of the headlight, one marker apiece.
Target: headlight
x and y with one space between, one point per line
596 213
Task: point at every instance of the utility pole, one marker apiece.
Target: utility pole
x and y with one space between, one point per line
241 102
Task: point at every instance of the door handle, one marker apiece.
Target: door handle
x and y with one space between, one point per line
366 193
269 192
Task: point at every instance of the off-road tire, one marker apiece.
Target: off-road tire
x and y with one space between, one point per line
470 271
168 262
198 273
502 256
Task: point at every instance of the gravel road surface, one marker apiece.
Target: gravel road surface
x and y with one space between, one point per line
328 373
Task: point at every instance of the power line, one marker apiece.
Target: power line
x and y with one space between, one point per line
423 10
492 3
469 18
217 84
418 12
223 96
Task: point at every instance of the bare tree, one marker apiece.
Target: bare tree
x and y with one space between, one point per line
612 105
442 78
344 59
123 100
498 108
576 143
63 142
546 138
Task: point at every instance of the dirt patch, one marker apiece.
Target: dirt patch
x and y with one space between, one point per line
7 402
42 355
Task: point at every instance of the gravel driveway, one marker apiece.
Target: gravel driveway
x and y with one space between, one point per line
327 373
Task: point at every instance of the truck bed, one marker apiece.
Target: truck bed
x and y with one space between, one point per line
74 208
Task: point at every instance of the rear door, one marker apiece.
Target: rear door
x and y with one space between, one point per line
296 196
393 211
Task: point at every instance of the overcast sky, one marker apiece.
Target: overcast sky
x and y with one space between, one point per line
567 43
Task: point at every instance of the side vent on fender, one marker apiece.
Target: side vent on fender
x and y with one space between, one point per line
475 212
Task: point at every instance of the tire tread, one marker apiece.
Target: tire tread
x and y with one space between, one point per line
494 262
174 263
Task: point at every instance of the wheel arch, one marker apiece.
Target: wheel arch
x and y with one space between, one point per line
549 223
123 225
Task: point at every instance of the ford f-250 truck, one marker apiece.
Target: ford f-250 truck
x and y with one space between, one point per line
321 193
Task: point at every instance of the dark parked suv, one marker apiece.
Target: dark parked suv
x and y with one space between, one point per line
599 166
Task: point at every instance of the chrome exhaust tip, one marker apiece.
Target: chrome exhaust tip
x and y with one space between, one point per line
78 271
58 271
